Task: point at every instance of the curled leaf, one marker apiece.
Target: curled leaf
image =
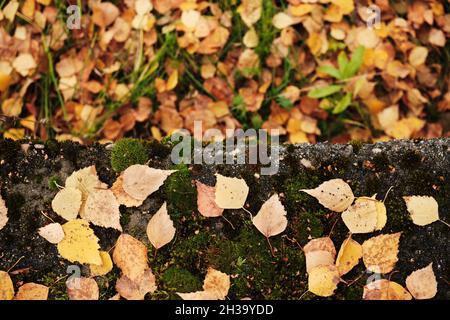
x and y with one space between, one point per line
104 268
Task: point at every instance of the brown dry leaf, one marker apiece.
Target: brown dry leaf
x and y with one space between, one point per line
140 181
385 290
104 14
3 213
423 209
231 193
214 42
104 268
380 253
67 203
206 203
136 290
271 218
24 64
348 256
323 280
130 255
160 229
437 37
82 289
319 252
52 232
79 244
397 69
422 283
32 291
334 194
122 197
365 215
102 209
215 287
6 286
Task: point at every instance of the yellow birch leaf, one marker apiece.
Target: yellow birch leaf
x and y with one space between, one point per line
102 209
320 251
323 280
423 209
6 286
231 193
385 290
215 287
334 194
67 203
130 255
14 134
32 291
348 256
172 81
104 268
380 253
82 289
80 244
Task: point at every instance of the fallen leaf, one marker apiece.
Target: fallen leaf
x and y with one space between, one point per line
140 181
24 64
319 252
160 229
104 268
271 218
365 215
136 290
32 291
3 213
250 11
104 14
385 290
206 203
380 252
6 286
418 56
283 20
67 203
437 37
10 10
122 197
231 193
130 255
348 256
52 232
102 209
323 280
334 194
80 244
422 283
86 180
423 209
215 287
82 289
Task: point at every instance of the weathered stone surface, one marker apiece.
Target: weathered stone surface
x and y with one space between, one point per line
409 167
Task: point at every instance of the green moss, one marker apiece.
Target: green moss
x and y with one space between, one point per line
357 145
354 292
107 283
54 182
57 286
398 218
127 152
295 199
52 148
306 226
125 218
180 280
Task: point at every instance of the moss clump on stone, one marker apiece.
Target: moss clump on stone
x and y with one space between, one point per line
127 152
180 280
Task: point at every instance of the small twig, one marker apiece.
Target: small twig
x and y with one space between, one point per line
332 228
15 264
270 246
228 222
385 196
448 225
251 215
42 212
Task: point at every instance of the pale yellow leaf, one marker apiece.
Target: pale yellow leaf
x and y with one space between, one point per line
190 18
334 194
52 232
271 218
140 181
323 280
32 291
6 286
250 11
67 203
24 63
10 10
348 256
130 255
80 244
380 253
172 81
104 268
365 215
320 251
3 213
215 287
422 283
418 56
160 229
251 38
283 20
102 209
206 203
86 180
82 289
231 193
385 290
423 209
